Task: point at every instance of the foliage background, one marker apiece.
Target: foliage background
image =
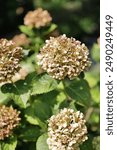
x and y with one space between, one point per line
77 18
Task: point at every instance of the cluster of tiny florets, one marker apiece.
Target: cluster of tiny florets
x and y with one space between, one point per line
64 57
21 39
37 18
66 130
9 119
10 56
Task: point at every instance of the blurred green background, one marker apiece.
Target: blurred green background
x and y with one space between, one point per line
77 18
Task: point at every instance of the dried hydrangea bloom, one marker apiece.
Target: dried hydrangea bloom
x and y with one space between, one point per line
9 119
10 56
64 57
21 39
37 18
66 130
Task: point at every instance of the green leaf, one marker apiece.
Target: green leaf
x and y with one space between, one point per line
30 133
42 110
87 145
8 144
95 52
49 98
30 77
92 78
94 118
50 29
42 142
41 106
95 92
43 84
33 119
79 91
27 30
19 92
3 98
87 24
72 106
60 99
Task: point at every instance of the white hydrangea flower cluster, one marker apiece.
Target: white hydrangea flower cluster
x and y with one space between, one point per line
66 130
21 39
10 57
37 18
9 119
64 57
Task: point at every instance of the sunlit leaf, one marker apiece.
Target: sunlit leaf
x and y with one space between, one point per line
43 84
42 142
27 30
78 90
8 144
18 91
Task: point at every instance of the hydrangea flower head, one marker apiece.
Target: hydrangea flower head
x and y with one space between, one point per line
66 130
10 57
9 119
37 18
64 57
